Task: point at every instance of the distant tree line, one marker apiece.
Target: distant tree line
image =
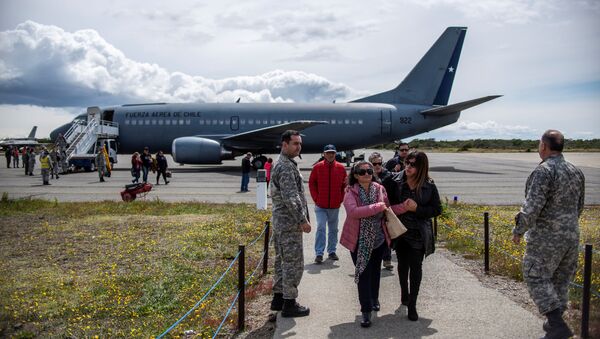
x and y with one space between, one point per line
517 145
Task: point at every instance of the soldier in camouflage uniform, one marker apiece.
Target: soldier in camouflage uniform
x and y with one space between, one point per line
290 219
550 215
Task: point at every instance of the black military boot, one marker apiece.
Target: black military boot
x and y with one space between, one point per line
557 328
366 319
292 309
277 302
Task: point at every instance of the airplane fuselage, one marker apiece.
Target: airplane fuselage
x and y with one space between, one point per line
348 126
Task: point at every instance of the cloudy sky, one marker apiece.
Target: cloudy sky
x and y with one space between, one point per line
58 57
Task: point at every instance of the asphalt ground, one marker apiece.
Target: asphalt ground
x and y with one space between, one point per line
485 178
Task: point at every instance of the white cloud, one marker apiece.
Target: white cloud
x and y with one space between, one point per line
482 130
47 66
17 120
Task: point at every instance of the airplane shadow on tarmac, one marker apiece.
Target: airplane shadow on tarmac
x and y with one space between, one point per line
227 170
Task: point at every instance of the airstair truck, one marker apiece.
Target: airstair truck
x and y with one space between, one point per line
85 139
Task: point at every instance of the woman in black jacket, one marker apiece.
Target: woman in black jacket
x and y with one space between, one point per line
422 202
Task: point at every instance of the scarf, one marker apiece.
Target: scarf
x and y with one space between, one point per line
368 231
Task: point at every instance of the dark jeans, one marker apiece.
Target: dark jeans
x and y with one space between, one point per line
410 266
145 171
368 282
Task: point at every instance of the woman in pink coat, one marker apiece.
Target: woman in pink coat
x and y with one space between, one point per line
364 234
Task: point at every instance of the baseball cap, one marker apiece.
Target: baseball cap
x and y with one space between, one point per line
329 148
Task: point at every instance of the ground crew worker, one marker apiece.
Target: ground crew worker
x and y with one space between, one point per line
554 198
25 159
100 165
290 219
54 157
46 165
108 167
8 154
327 182
31 161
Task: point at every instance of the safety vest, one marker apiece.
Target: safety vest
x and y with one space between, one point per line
45 161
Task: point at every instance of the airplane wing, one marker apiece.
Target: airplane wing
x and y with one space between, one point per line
455 108
266 136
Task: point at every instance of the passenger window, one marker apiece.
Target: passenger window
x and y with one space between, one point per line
167 122
201 121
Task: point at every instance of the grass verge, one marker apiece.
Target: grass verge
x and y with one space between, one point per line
110 269
461 229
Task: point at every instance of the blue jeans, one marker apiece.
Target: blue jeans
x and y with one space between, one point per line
145 173
326 217
245 181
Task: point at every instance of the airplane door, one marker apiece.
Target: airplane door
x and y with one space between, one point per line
386 123
235 123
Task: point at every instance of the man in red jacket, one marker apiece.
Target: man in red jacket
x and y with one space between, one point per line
327 182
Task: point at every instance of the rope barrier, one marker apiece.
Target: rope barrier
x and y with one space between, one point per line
595 293
201 300
227 314
217 283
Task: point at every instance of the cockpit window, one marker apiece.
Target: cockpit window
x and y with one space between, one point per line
80 119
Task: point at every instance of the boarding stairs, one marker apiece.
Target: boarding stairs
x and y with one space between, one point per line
82 137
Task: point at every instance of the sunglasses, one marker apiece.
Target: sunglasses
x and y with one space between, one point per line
403 149
377 163
412 164
364 171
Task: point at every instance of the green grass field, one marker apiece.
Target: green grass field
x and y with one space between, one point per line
110 269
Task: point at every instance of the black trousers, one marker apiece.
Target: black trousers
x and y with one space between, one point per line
162 172
368 282
410 268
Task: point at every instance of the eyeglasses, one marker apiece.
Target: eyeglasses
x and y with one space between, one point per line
403 149
377 163
412 164
364 171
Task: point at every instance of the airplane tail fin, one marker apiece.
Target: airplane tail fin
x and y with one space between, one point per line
430 81
32 133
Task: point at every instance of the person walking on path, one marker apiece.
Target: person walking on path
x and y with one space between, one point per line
290 219
365 235
327 182
385 178
146 158
46 166
554 200
421 200
396 164
246 168
161 167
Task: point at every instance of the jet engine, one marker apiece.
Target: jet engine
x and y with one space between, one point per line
196 150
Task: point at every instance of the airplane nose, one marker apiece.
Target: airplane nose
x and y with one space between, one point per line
62 129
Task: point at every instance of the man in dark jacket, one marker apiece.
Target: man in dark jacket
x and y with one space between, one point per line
246 168
146 163
396 164
327 182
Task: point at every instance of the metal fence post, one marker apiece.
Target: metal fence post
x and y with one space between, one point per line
241 288
486 235
266 248
587 282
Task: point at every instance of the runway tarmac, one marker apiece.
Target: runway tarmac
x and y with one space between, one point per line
486 178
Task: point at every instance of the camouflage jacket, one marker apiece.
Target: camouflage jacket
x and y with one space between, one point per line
554 198
287 194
